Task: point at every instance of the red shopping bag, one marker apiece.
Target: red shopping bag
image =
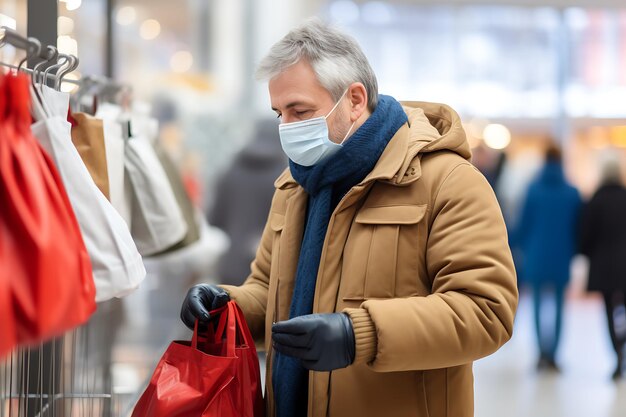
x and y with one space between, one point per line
45 270
214 375
8 334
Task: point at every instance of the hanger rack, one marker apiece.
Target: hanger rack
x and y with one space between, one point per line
11 37
34 49
30 71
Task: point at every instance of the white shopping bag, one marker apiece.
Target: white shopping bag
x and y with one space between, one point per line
117 265
119 186
157 219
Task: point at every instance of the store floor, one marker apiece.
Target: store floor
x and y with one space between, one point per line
507 383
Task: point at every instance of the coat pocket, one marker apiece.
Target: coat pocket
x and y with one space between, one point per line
380 252
277 221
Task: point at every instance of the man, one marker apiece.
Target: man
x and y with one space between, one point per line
383 270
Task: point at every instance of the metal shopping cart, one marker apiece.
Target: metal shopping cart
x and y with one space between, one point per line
66 377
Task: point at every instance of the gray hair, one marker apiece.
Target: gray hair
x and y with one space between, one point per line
336 58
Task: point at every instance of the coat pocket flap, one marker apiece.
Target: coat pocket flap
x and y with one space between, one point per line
277 221
407 214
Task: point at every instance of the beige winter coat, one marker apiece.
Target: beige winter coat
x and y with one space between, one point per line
417 255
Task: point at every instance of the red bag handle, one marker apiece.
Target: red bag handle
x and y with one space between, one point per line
211 335
227 322
243 334
221 325
231 329
242 326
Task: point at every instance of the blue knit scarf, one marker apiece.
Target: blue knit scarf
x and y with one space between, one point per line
326 183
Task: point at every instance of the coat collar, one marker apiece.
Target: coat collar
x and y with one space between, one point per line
386 168
431 127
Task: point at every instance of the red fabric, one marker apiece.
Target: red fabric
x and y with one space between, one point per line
193 188
46 273
216 376
8 334
70 118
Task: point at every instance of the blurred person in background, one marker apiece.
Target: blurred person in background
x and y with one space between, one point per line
547 235
514 177
243 198
489 162
383 271
603 241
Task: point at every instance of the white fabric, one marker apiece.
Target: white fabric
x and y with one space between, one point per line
36 109
119 189
117 265
108 111
145 126
157 220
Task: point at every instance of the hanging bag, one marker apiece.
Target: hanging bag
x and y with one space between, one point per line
114 143
44 264
117 265
214 375
8 255
182 198
157 220
88 138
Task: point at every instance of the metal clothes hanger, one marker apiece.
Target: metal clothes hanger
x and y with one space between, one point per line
51 54
63 60
73 64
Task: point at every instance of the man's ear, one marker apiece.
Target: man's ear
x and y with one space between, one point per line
357 94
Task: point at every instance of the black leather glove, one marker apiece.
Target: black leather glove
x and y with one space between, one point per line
322 342
199 301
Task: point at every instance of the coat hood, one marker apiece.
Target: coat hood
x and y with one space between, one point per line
431 127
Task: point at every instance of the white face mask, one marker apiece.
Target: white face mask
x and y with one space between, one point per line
306 142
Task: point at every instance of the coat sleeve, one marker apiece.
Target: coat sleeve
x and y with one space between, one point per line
251 296
470 312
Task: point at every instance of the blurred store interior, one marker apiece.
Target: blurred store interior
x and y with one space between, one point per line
521 73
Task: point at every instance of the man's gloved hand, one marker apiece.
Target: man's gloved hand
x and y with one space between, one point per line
199 301
322 342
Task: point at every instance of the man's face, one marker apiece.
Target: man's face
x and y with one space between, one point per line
297 95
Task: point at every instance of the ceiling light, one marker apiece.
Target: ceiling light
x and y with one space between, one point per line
150 29
65 25
72 4
497 136
181 61
126 15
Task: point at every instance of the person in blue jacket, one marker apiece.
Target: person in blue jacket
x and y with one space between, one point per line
547 234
